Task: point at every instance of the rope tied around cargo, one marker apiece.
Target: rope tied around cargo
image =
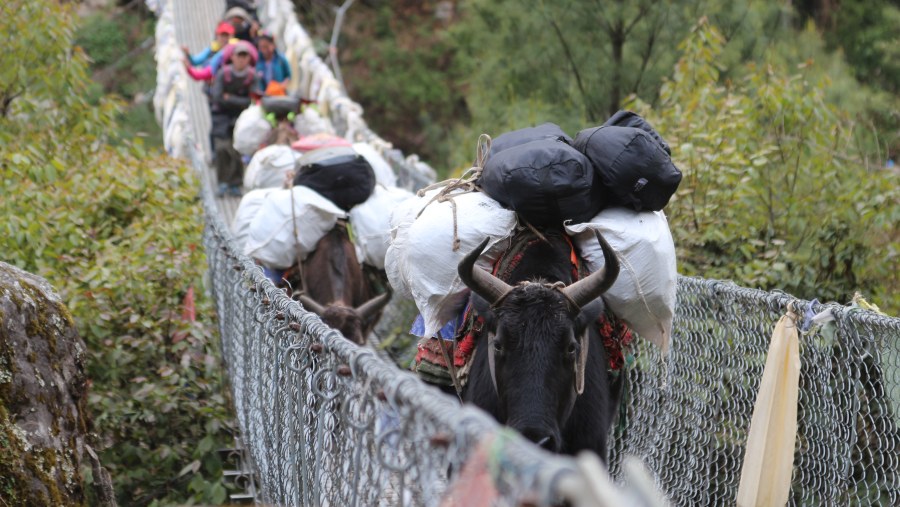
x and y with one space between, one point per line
465 184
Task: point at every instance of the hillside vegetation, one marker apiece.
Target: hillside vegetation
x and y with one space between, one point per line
115 227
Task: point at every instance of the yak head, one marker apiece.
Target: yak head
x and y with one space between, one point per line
353 323
537 344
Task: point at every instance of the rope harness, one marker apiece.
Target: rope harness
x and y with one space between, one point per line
433 358
465 184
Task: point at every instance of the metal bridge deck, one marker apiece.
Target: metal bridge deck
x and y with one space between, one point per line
195 22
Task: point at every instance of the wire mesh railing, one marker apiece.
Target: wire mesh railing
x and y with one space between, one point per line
687 414
326 422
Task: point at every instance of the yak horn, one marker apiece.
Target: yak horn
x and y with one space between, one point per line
311 305
588 289
373 306
486 285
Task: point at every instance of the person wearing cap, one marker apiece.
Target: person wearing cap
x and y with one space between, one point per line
230 95
224 33
208 72
244 25
272 66
247 5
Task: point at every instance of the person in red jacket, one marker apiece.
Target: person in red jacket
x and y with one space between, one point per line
224 32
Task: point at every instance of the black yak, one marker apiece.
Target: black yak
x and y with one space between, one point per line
539 365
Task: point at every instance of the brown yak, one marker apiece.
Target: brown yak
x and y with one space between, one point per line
337 289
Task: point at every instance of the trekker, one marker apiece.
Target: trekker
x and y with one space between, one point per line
247 5
244 26
231 91
224 32
208 72
272 67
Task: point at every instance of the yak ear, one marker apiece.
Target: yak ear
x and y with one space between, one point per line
590 313
483 309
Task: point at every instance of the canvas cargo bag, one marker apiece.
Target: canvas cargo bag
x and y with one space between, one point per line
287 225
518 137
340 174
632 164
250 130
644 293
269 167
546 182
428 241
371 222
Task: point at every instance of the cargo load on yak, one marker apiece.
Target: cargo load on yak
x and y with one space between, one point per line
251 130
534 183
271 167
285 225
340 174
278 226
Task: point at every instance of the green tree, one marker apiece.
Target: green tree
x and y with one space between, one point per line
115 229
777 193
400 57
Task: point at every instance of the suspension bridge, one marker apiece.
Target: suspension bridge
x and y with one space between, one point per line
325 422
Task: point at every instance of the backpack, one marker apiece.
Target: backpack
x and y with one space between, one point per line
248 81
631 161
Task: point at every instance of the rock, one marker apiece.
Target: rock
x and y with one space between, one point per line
43 395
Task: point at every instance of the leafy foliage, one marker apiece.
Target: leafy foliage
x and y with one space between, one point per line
115 230
121 63
776 193
418 98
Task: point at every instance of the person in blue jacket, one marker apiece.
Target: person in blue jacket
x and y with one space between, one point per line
272 66
224 32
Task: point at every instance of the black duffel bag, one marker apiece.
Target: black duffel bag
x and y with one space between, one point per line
631 162
626 118
518 137
340 174
545 181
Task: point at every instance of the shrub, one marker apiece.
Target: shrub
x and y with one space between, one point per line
777 193
117 231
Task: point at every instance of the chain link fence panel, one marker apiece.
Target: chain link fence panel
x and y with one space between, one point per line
687 414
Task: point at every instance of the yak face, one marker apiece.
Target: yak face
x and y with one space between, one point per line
536 345
535 339
345 320
351 322
333 276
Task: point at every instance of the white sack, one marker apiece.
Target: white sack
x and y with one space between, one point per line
310 122
644 294
371 223
272 238
401 219
421 259
269 165
250 130
384 173
247 209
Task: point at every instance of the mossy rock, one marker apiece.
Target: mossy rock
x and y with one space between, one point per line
43 395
